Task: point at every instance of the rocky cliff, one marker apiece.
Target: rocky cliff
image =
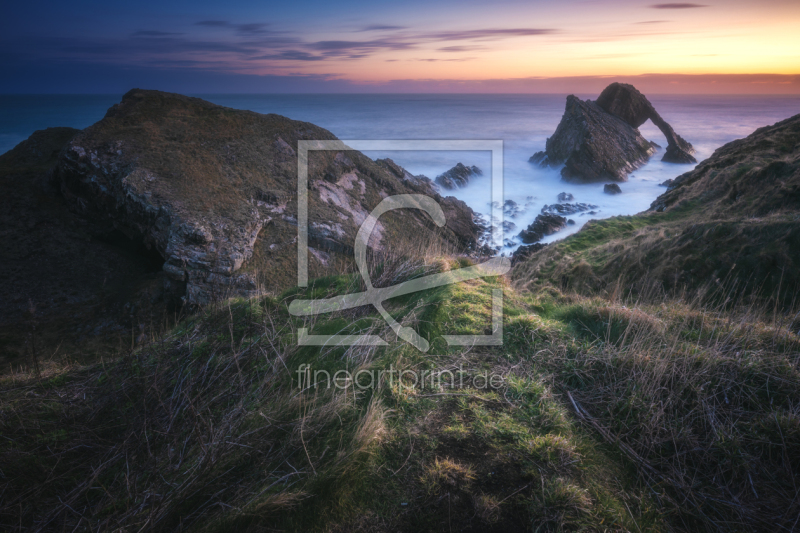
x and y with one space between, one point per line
213 191
598 141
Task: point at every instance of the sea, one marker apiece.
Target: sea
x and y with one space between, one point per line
521 121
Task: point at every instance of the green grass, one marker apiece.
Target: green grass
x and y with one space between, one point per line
599 403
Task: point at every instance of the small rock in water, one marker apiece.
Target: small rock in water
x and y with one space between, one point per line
611 188
567 209
565 197
511 209
570 222
458 176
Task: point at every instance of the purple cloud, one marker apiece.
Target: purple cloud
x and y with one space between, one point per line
677 6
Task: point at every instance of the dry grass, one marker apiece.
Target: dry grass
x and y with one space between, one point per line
703 401
204 423
446 474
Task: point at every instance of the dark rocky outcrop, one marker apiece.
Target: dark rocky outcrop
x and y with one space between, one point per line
611 188
544 224
458 176
599 141
567 209
523 252
512 209
212 190
420 182
594 145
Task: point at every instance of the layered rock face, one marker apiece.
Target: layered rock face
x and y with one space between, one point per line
599 141
458 176
626 102
213 190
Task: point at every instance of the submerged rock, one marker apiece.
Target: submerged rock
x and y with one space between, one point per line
567 209
512 209
545 224
611 188
565 197
458 176
599 141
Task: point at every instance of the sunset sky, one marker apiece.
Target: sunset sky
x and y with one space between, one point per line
420 46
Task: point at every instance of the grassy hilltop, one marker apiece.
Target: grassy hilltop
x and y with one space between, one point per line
638 393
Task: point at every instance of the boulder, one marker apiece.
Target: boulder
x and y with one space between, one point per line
611 188
545 224
600 141
458 176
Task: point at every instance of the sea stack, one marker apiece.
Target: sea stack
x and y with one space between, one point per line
600 140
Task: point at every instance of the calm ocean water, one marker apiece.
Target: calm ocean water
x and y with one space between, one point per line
522 122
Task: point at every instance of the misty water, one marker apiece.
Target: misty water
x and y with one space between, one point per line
522 122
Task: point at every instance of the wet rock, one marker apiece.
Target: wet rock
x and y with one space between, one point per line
511 209
611 188
545 224
457 177
567 209
565 197
676 154
508 226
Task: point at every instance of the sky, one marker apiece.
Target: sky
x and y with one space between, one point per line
91 46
